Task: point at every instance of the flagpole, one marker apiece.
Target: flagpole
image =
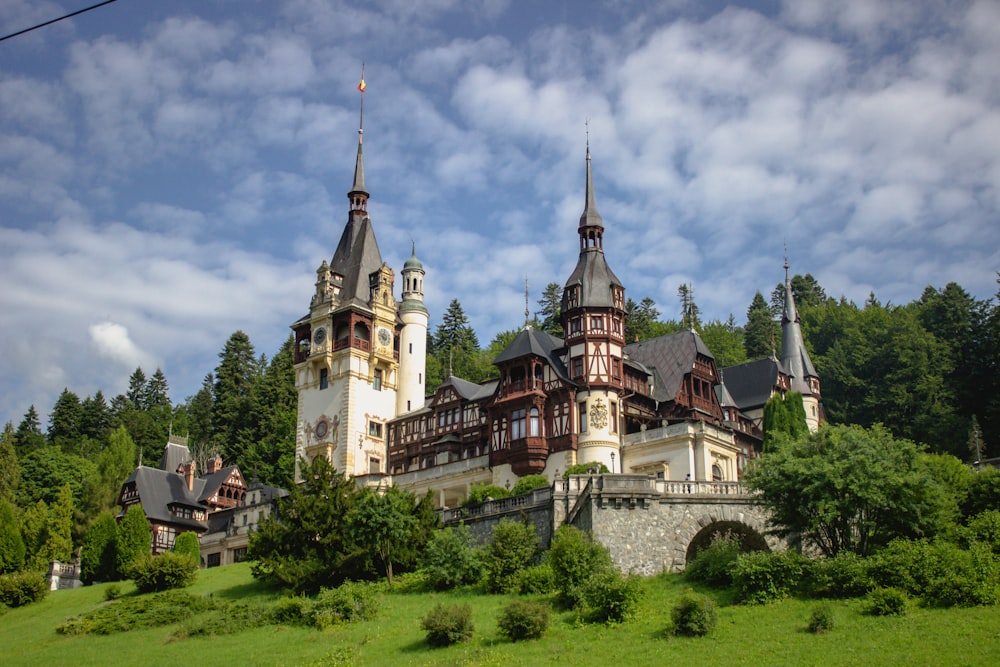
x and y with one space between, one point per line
361 90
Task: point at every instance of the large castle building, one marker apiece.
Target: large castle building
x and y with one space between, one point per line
659 407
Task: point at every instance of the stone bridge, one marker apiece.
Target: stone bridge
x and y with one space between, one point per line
649 525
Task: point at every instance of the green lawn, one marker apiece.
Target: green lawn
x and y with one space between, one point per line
766 635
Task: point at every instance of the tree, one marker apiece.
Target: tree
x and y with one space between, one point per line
725 340
136 393
690 312
451 559
512 549
454 333
97 555
232 406
11 542
134 540
308 546
550 316
640 319
59 542
199 409
384 520
114 464
187 544
806 291
847 488
64 422
758 334
34 533
269 438
95 417
45 471
9 470
28 436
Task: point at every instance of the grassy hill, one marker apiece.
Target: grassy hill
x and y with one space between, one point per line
763 635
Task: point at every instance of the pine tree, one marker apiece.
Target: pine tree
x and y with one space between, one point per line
59 542
776 423
64 422
132 541
28 436
35 533
690 313
270 442
640 319
137 389
97 555
550 316
11 542
95 416
454 332
154 394
114 464
231 401
758 334
10 473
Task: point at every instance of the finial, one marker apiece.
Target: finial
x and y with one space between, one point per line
361 89
526 323
413 248
586 124
786 262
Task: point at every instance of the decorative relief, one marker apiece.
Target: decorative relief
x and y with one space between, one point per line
599 414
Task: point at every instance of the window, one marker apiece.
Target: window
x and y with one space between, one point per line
377 381
574 325
616 368
716 473
214 560
517 424
583 417
534 425
578 367
375 429
596 323
374 466
614 417
324 378
239 555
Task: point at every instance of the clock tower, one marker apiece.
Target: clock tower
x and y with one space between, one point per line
347 350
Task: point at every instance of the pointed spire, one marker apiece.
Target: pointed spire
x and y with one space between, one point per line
527 323
590 216
358 194
794 356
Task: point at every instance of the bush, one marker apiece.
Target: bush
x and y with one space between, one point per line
187 544
523 620
138 612
349 602
886 602
12 549
610 597
584 469
713 565
112 592
763 576
292 611
448 625
133 540
984 528
842 576
480 493
512 549
529 483
694 615
574 558
941 573
20 588
821 620
537 580
97 555
163 572
450 559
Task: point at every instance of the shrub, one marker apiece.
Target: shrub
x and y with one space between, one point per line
480 493
713 564
886 602
133 540
984 528
763 576
20 588
137 612
512 549
112 592
450 559
574 558
12 549
584 469
529 483
349 602
842 576
694 615
187 544
537 580
941 573
523 620
821 620
610 597
97 556
448 625
292 611
163 572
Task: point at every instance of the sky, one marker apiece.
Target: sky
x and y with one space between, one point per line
171 172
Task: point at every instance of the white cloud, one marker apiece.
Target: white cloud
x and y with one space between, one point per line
111 341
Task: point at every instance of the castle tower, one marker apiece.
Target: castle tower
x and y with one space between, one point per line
593 319
795 359
346 353
412 337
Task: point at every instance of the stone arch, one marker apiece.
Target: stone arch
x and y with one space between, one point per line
750 539
702 517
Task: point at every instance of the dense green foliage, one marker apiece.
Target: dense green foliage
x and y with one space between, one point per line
186 544
764 576
521 620
133 541
713 565
350 602
164 572
693 615
529 483
514 547
850 488
574 558
886 602
821 619
448 624
97 556
450 559
11 542
585 469
20 588
611 597
384 520
480 493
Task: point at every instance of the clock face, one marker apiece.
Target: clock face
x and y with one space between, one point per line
384 336
321 429
319 336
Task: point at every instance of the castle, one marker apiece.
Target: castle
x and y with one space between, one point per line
659 407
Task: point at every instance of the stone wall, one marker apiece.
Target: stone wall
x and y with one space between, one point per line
534 508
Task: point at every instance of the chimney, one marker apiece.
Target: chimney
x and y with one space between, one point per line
189 475
214 464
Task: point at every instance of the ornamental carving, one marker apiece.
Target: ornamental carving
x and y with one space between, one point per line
599 414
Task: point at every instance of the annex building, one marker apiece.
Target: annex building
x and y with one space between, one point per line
659 407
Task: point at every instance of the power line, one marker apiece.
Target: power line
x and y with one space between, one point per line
67 16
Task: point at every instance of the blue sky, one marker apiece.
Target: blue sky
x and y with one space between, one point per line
171 172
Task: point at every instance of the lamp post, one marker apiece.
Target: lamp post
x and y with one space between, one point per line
612 463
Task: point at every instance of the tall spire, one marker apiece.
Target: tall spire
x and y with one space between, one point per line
794 356
358 195
590 217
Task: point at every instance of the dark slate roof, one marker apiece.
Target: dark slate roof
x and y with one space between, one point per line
530 341
750 384
596 278
470 391
357 256
174 454
158 489
670 357
794 357
213 481
726 399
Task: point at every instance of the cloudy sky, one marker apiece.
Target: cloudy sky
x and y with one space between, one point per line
171 172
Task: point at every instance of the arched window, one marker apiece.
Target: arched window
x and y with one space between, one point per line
716 473
534 424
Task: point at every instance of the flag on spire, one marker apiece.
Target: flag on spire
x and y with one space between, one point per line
362 86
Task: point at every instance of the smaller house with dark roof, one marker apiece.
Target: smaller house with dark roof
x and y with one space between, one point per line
175 499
